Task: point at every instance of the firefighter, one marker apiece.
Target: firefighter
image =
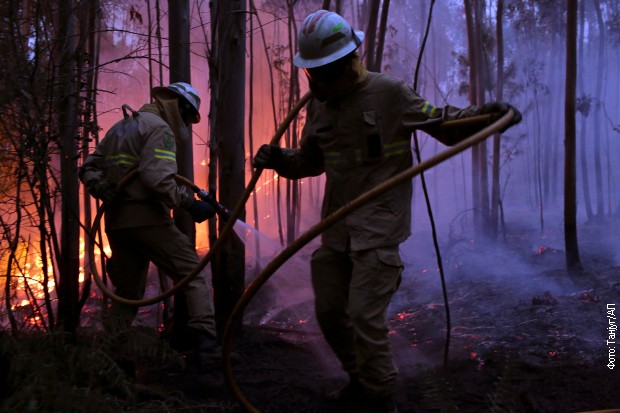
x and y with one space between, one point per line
357 132
138 221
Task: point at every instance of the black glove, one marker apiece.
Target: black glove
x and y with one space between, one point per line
201 211
499 109
268 157
104 190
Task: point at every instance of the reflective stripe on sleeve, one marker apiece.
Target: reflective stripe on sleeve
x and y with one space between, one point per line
391 149
397 148
429 109
166 155
124 159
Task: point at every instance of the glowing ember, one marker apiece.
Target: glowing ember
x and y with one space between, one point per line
589 298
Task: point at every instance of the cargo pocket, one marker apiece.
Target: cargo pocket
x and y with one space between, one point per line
390 258
372 145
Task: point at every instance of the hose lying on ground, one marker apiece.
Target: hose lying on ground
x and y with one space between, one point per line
237 313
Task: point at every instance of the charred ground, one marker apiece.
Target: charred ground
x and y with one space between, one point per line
526 337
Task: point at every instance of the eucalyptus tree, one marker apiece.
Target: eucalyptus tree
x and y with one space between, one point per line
228 19
573 261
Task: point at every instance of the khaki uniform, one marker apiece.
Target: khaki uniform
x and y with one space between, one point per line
360 140
138 224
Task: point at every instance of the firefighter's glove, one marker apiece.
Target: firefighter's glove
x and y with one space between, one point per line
499 109
104 191
268 157
201 211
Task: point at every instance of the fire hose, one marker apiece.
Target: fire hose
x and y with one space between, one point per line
237 313
228 226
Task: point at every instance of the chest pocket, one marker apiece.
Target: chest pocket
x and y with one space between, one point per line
372 150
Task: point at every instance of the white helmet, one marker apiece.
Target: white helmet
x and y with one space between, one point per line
324 38
184 90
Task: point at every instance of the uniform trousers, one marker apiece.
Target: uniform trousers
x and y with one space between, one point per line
352 293
171 251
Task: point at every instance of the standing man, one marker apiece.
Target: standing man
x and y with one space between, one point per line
138 221
358 132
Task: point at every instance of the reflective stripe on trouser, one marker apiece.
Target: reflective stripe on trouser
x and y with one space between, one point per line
172 252
352 293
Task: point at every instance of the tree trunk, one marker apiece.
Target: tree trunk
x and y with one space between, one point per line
585 176
473 100
381 36
69 260
481 82
229 263
180 71
573 262
293 187
499 95
371 33
596 115
90 27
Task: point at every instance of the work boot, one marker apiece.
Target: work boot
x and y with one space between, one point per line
350 395
207 352
381 405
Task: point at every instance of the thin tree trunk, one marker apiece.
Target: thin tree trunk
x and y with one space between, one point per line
69 260
13 241
180 71
159 42
573 262
381 36
596 115
292 186
539 159
89 31
253 12
149 42
499 95
371 33
583 155
473 100
482 80
214 85
229 268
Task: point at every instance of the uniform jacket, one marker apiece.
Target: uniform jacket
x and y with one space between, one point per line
144 142
360 140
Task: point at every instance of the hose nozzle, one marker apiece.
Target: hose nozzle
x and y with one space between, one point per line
220 209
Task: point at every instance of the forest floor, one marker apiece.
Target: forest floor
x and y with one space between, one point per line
526 337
